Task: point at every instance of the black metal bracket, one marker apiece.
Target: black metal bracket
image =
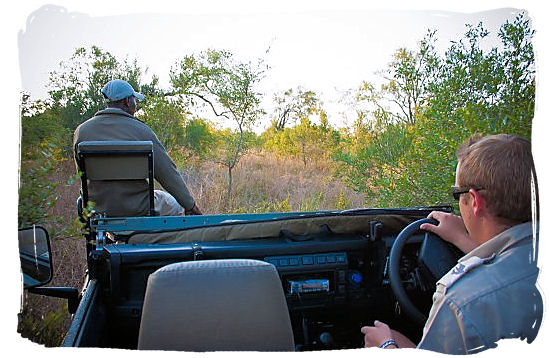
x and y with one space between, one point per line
375 230
70 293
198 254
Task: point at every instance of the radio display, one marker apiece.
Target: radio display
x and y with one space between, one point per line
309 286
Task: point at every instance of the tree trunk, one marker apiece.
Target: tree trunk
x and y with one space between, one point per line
229 186
231 165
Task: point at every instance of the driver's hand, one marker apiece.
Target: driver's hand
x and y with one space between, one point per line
377 334
451 228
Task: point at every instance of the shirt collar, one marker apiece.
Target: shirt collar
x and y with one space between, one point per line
114 110
502 241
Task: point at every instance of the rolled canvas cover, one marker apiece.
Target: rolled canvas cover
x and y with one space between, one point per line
348 224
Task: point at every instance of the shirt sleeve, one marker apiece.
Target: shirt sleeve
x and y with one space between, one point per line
169 177
451 332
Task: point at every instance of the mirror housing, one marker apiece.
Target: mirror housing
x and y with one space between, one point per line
35 255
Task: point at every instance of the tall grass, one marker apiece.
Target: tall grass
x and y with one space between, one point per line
264 182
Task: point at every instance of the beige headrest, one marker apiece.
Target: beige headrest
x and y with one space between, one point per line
216 305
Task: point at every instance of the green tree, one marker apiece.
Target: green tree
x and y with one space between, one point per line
406 85
167 118
41 140
306 141
292 105
200 138
402 162
75 88
293 131
485 92
226 86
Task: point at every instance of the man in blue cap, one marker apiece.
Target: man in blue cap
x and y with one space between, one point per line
129 198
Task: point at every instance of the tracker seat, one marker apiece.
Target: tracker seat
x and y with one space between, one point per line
114 160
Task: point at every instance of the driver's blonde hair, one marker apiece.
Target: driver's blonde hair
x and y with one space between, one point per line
502 164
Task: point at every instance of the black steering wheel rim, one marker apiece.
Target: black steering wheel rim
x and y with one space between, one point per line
393 271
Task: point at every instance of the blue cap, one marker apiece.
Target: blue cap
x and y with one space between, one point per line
116 90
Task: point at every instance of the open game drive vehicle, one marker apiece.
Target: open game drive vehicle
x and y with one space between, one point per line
281 281
293 281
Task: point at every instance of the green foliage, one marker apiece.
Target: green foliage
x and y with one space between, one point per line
39 125
75 88
406 86
199 137
292 105
400 151
167 118
48 330
343 203
37 193
41 141
223 84
306 141
405 155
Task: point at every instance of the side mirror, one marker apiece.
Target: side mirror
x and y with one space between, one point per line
35 255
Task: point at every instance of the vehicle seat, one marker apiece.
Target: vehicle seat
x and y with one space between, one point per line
114 160
215 305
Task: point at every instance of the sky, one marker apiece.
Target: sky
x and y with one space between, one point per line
329 51
325 46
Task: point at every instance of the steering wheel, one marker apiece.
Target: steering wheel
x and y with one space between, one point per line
436 258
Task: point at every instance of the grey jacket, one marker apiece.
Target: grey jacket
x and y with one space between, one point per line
129 197
489 295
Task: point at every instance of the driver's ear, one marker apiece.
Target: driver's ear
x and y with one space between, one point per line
477 202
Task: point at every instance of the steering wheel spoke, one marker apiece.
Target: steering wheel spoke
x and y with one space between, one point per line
434 259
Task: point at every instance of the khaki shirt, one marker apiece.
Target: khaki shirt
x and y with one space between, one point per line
490 294
130 197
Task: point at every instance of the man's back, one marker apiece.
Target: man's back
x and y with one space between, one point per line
112 124
129 197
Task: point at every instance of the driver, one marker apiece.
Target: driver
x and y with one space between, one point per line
490 294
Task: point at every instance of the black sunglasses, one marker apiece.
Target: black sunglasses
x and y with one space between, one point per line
457 191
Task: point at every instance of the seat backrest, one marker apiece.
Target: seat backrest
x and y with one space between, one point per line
215 305
116 160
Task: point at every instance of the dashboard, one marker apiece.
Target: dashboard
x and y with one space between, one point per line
333 284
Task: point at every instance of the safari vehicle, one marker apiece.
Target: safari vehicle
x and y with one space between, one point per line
294 281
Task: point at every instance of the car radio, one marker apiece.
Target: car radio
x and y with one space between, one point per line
308 286
314 280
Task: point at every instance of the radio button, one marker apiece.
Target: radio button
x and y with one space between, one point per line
283 262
